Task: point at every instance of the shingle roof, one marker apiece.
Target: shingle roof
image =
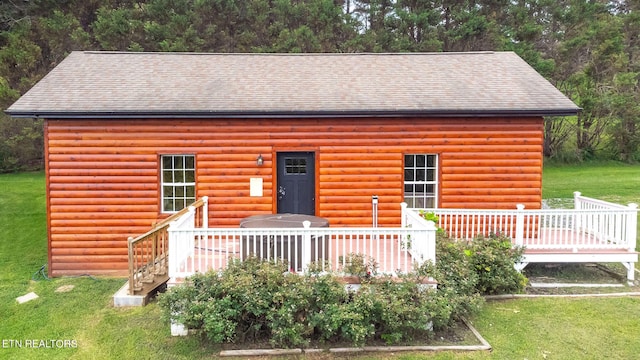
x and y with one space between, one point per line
121 84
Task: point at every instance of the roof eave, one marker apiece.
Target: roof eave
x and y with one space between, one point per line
289 114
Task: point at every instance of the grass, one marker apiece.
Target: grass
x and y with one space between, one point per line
612 181
562 328
517 329
84 314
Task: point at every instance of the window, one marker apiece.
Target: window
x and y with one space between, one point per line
295 166
421 180
178 182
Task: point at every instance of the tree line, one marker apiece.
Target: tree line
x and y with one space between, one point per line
589 49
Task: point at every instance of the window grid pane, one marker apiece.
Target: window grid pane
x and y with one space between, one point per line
420 182
178 182
295 166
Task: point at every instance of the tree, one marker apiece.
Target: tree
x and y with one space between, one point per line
625 132
415 23
625 113
471 25
589 49
119 29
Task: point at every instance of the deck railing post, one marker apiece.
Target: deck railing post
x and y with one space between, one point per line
132 267
431 241
577 204
306 246
165 250
154 252
191 213
403 215
520 225
632 223
174 251
205 212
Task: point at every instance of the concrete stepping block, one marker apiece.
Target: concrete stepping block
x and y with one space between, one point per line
28 297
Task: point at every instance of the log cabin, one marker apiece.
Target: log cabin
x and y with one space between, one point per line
131 138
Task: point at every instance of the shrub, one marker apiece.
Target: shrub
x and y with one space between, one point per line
403 309
493 258
361 266
249 300
430 216
457 282
258 300
484 265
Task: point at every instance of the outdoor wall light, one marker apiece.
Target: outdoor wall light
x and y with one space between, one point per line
259 160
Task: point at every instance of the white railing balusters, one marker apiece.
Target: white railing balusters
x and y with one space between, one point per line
393 248
593 224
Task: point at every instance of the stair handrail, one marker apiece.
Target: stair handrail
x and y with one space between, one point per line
148 253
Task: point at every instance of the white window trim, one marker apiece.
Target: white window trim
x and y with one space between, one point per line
175 184
435 182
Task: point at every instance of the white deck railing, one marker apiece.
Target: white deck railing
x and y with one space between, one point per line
593 224
395 250
413 220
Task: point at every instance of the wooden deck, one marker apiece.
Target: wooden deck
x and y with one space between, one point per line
552 246
595 231
561 246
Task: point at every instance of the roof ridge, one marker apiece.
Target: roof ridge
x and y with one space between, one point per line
111 52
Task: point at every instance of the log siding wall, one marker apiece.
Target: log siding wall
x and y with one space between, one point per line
103 175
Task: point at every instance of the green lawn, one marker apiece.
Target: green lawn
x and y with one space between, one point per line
615 182
517 329
84 314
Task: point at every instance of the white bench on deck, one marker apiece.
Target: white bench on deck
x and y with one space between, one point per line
593 231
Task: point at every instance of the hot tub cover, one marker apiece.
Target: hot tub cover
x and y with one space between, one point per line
282 221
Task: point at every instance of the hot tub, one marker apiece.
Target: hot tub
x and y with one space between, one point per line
284 247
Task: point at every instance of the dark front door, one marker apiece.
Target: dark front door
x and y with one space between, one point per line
296 183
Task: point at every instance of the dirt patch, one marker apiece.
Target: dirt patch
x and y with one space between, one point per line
612 277
65 288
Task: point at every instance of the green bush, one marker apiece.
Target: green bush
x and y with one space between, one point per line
493 258
484 265
257 300
403 309
361 266
457 281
